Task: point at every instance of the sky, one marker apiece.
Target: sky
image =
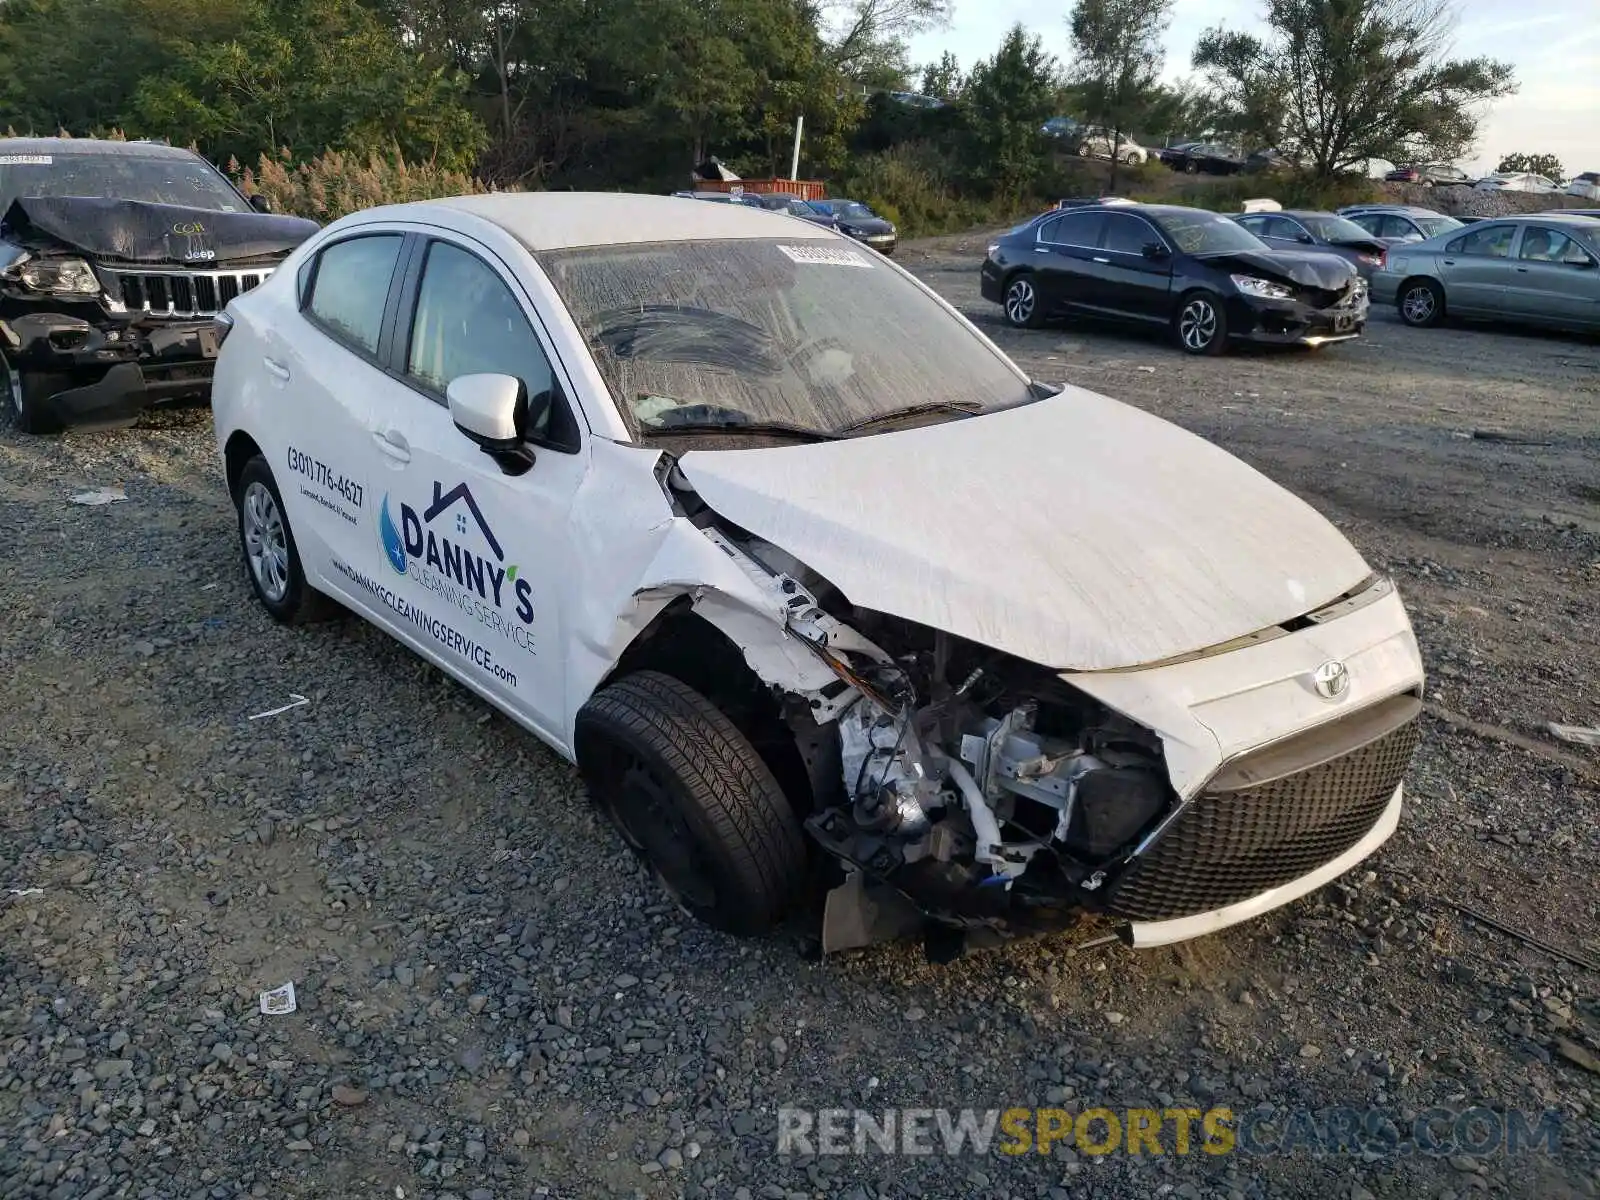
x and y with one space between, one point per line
1553 44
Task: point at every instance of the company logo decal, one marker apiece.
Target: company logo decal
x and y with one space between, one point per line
451 549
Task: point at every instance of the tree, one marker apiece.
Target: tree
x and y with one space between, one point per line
1118 57
1345 81
1009 97
868 36
943 79
1547 165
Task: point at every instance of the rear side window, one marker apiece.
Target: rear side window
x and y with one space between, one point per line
1491 242
351 286
1076 229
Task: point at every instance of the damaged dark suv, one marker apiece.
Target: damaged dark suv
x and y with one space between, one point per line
114 258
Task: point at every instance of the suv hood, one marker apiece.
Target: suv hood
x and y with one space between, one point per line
1306 268
1074 532
133 231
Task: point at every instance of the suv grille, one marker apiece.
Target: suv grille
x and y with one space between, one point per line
184 293
1274 815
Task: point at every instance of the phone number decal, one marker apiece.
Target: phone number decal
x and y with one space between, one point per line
325 476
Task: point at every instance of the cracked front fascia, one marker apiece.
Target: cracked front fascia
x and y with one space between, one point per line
1210 710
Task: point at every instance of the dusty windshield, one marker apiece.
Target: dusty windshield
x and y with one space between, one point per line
153 180
1335 229
812 335
1198 232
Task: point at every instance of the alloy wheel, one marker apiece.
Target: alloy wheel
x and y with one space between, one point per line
1020 300
1198 324
1418 305
266 543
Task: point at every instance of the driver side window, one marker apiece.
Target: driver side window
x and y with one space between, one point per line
467 322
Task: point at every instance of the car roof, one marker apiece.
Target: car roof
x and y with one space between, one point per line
101 147
563 220
1404 210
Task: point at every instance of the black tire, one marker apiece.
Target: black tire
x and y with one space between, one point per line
1420 303
1200 325
1021 303
260 508
1191 167
29 399
694 800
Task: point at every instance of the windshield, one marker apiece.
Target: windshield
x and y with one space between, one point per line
185 181
1433 225
852 208
1334 229
808 334
1199 232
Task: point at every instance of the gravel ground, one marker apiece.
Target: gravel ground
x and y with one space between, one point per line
494 1002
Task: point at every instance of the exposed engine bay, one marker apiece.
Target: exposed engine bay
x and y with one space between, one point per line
985 789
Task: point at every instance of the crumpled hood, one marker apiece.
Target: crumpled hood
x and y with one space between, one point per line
133 231
869 225
1075 532
1307 268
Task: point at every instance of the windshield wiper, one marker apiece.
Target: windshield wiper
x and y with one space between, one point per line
780 428
910 410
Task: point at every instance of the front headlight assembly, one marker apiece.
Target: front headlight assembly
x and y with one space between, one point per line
1265 289
59 277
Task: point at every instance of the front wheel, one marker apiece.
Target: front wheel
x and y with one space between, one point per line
1421 303
1191 168
1201 325
694 800
1024 309
31 399
1131 159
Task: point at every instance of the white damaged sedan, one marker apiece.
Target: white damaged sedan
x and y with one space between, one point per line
786 556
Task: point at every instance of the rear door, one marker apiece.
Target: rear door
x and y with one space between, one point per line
1556 281
1478 271
1130 284
1064 257
323 364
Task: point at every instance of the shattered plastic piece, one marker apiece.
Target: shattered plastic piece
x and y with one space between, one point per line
279 1002
19 893
1146 370
295 701
105 495
1577 734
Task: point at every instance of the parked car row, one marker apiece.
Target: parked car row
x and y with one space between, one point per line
1585 185
850 217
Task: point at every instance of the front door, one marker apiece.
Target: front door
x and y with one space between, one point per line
1133 285
1556 281
474 557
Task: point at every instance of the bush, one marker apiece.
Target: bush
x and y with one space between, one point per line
910 185
336 184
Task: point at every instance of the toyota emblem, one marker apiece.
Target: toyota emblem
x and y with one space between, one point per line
1332 679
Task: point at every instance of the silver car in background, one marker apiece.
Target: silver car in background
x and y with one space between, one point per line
1538 270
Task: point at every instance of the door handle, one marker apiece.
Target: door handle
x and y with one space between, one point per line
1449 262
276 369
393 444
1098 259
1522 270
1041 250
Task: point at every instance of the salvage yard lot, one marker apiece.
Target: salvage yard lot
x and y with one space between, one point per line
493 1000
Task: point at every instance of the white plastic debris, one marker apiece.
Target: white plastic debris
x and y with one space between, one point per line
1146 370
19 893
105 495
279 1002
295 701
1577 734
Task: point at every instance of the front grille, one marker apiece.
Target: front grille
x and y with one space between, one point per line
183 293
1273 816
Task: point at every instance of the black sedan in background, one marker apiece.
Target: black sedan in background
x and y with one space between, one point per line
1207 158
1294 228
860 222
796 207
1196 273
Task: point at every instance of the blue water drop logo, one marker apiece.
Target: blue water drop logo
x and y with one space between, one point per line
393 546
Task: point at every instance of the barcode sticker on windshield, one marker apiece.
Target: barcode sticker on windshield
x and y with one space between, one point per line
826 256
26 160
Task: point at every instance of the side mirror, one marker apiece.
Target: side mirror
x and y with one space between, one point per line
1155 251
1586 263
1305 239
262 204
494 411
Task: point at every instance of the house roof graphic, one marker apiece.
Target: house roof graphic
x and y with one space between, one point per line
444 500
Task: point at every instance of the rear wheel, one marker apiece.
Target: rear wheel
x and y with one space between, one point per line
1130 158
1024 309
271 558
694 800
1191 167
1201 325
1421 303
